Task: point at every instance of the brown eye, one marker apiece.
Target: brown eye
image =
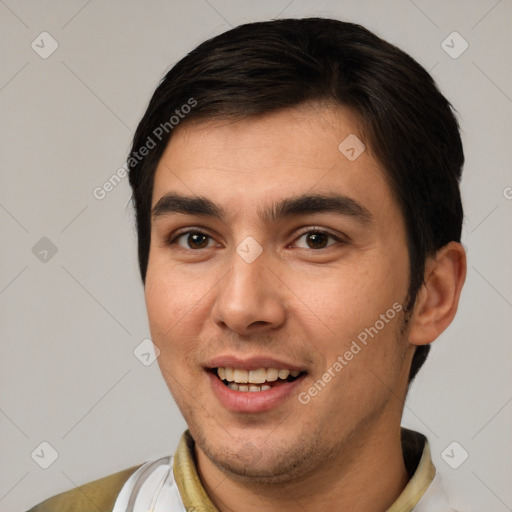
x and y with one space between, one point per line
197 240
317 240
192 240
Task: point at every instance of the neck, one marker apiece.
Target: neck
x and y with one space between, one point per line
369 474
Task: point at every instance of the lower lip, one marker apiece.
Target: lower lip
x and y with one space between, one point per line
253 401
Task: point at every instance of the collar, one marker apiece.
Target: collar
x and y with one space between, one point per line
414 446
421 473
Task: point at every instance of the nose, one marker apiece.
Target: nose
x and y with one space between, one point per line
249 298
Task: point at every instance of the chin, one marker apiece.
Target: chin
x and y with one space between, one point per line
261 462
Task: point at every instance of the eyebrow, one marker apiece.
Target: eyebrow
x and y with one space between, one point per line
173 203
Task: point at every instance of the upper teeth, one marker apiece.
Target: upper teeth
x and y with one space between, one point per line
258 376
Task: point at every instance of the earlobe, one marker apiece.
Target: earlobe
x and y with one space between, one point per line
438 298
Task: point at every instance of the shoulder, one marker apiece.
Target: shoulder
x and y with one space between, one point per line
97 496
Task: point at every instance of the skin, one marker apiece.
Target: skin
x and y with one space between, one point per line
295 302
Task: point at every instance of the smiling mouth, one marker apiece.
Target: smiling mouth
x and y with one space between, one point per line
262 379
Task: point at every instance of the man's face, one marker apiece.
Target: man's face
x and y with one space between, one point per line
256 279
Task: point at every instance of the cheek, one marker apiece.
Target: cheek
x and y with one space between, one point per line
171 305
354 313
341 303
362 362
171 295
161 303
170 315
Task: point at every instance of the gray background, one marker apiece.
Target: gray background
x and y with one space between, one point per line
71 320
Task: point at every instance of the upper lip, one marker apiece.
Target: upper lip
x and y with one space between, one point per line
251 363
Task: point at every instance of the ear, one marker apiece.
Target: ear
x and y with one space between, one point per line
438 298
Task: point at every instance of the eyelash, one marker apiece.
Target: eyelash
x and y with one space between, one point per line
173 238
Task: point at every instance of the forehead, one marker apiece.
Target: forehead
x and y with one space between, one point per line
244 164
